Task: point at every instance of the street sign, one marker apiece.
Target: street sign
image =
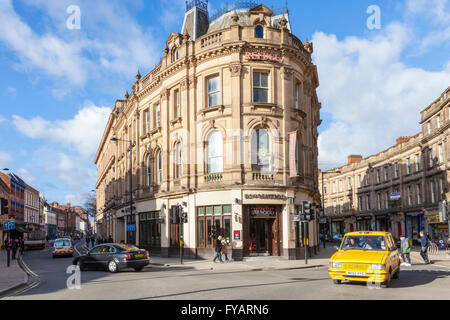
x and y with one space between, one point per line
295 218
131 227
9 225
394 196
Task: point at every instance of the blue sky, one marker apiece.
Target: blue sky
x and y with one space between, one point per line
57 86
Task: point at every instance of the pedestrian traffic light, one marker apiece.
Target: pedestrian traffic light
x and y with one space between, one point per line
443 212
183 217
4 206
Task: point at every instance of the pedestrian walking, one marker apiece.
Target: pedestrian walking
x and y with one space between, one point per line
110 239
424 247
22 245
224 249
15 246
405 251
218 249
92 241
8 246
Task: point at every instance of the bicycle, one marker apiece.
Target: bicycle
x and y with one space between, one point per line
433 249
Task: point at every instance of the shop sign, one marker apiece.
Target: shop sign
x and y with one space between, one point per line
394 196
237 235
266 197
263 212
433 219
259 55
131 227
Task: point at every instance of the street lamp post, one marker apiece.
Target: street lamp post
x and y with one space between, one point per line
131 175
323 202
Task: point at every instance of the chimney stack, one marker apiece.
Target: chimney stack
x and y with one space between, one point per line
354 158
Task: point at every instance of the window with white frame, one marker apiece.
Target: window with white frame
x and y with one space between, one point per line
297 95
341 206
368 202
433 191
360 203
340 186
176 102
349 183
438 119
408 166
431 161
334 207
177 160
379 200
159 166
260 86
442 183
419 192
429 127
260 155
418 162
148 179
359 181
378 175
386 200
441 153
213 84
215 152
158 115
397 170
334 187
410 195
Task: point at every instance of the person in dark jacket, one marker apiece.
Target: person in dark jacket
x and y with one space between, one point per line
424 243
22 245
15 246
92 241
110 239
218 249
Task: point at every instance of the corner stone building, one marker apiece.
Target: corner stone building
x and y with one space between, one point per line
399 189
226 127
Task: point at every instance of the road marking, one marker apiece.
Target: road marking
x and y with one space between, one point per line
27 269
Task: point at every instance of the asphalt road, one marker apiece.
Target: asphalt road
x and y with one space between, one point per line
50 282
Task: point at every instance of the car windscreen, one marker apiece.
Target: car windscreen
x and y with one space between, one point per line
62 243
126 247
362 242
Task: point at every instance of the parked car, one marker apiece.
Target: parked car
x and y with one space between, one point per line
113 257
366 256
62 247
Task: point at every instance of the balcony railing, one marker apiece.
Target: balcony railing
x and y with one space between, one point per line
258 176
213 178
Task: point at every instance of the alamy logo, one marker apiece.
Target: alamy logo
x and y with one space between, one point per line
74 20
74 281
374 20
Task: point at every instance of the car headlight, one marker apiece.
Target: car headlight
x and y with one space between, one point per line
336 264
378 266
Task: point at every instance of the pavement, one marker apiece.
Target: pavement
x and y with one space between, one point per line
12 277
249 264
439 260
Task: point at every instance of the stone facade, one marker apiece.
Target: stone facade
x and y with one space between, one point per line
226 127
358 195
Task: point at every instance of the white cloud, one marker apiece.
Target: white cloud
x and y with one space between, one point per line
2 118
110 40
26 176
371 95
82 133
5 159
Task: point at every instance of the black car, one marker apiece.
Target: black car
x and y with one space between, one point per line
113 257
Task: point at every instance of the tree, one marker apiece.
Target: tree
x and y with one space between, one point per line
90 204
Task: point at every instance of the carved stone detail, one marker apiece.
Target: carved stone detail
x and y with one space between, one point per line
235 69
287 73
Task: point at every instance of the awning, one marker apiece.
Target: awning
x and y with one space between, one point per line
22 229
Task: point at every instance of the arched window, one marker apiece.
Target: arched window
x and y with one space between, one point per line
177 160
148 176
158 167
259 32
215 152
260 150
174 55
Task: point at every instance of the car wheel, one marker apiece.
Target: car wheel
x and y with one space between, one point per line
112 266
388 281
137 269
337 281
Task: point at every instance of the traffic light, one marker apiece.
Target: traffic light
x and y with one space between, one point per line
306 210
443 214
183 217
312 214
4 206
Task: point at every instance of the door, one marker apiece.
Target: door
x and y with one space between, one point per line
91 260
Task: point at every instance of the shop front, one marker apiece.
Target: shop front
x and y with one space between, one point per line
338 227
150 224
263 230
414 223
364 223
438 230
382 223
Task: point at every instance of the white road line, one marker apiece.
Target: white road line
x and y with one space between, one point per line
27 269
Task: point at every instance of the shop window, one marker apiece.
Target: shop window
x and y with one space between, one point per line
213 221
150 228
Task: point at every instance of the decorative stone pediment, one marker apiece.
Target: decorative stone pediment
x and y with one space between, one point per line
260 15
174 40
